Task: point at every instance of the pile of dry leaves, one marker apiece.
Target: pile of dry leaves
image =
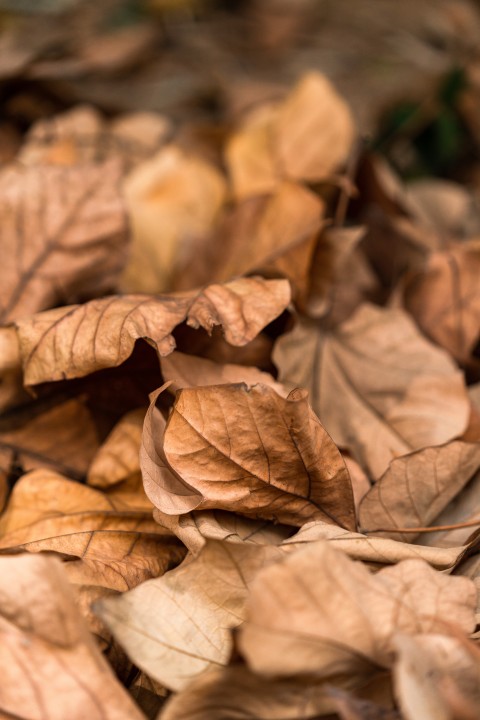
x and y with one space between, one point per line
253 544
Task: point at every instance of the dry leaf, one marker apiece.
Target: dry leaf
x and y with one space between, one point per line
444 299
319 612
178 626
314 131
110 539
64 235
376 551
378 386
417 487
195 528
51 667
74 341
235 693
117 459
349 707
437 678
185 371
247 450
173 200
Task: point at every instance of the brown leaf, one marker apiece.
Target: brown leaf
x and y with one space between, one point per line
376 551
117 459
235 693
62 438
74 341
178 626
378 386
247 450
319 612
415 488
437 678
51 667
64 235
444 299
186 371
350 707
173 200
195 528
110 539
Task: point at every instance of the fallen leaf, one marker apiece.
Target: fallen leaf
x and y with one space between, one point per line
117 458
415 488
314 131
350 707
260 455
235 693
318 612
51 667
74 341
195 528
437 678
173 200
378 386
64 235
110 539
444 299
186 371
178 626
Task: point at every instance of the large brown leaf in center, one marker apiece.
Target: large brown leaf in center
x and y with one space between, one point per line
246 450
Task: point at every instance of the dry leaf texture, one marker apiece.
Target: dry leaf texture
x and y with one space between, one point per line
248 450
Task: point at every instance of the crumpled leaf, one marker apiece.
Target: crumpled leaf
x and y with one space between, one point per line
235 693
415 488
178 626
247 450
319 612
74 341
173 200
184 371
376 551
195 528
437 677
444 299
117 458
110 539
378 386
51 667
64 235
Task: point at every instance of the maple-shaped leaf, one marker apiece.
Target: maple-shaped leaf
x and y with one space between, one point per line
73 341
415 488
246 450
379 387
319 612
64 235
178 626
51 666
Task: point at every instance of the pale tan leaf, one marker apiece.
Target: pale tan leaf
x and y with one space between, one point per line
173 200
235 693
110 539
377 551
195 528
51 667
314 131
417 487
178 626
117 459
64 235
437 678
74 341
247 450
319 612
185 371
379 387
